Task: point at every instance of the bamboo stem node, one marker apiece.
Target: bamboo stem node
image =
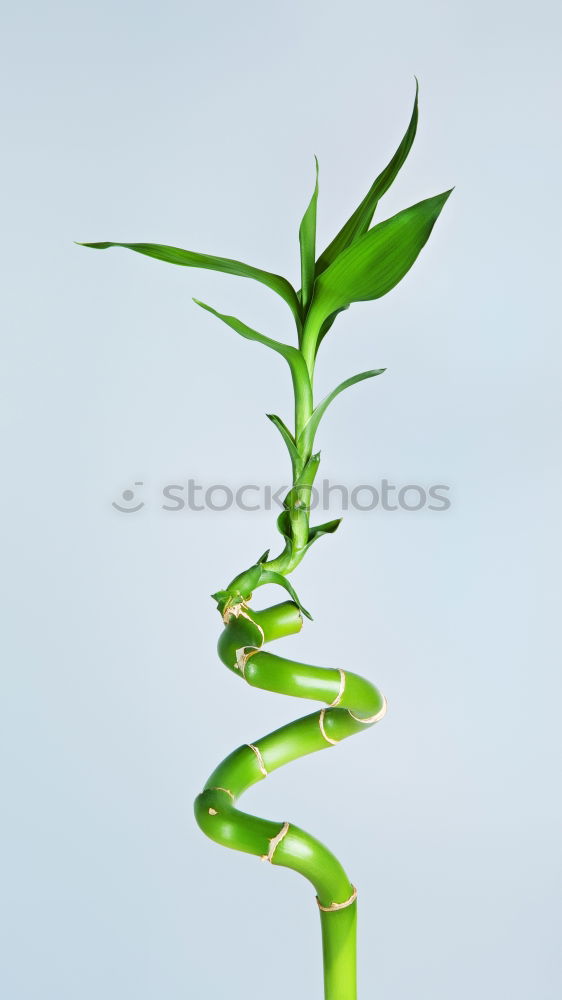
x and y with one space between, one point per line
219 788
339 695
323 730
257 752
233 611
338 906
243 655
274 843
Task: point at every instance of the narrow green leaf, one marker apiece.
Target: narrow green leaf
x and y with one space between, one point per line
269 576
246 581
307 240
284 526
327 528
373 265
221 597
287 437
329 322
187 258
363 214
291 354
263 558
308 433
322 529
308 474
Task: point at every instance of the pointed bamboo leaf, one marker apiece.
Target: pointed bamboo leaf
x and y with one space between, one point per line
291 354
308 474
287 437
307 240
269 576
374 264
284 527
322 529
263 558
221 597
327 528
329 322
361 219
187 258
243 584
308 433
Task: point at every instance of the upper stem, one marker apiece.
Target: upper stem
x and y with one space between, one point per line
309 339
297 501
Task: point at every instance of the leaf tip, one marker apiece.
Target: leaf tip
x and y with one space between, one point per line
93 246
442 199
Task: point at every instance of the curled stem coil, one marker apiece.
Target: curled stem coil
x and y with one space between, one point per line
353 704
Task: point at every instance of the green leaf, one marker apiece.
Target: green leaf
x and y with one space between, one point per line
308 474
269 576
307 240
322 529
187 258
263 558
243 584
329 322
293 356
300 492
374 264
287 437
284 526
308 433
222 597
363 214
327 528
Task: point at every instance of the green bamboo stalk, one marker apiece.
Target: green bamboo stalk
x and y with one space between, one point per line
362 262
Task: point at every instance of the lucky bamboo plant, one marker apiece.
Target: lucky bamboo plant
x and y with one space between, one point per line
362 262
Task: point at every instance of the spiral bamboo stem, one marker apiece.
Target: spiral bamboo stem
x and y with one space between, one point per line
353 704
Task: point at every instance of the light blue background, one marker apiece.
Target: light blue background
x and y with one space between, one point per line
197 127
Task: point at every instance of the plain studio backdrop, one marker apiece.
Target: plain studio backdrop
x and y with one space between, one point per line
197 127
